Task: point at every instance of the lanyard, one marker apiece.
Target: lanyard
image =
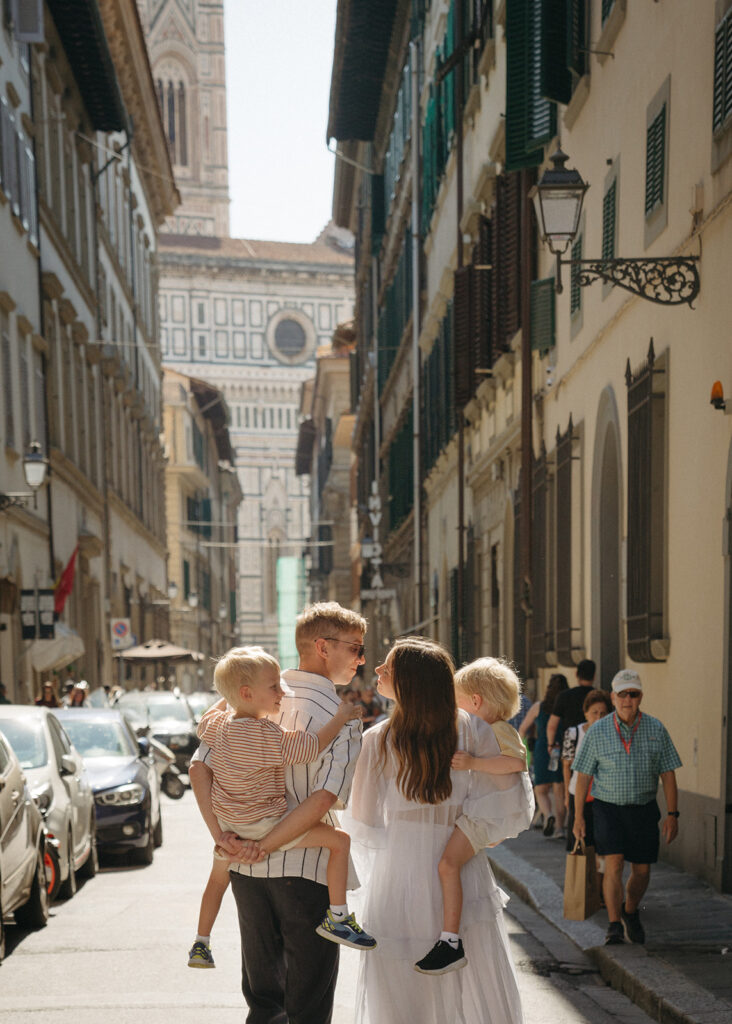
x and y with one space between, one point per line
627 744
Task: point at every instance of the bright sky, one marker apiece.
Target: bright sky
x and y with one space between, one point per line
279 55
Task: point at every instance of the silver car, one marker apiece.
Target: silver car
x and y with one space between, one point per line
60 786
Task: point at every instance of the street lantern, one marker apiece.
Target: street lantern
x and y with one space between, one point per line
35 468
172 590
222 611
558 199
193 599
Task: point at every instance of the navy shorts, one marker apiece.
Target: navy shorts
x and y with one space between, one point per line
630 830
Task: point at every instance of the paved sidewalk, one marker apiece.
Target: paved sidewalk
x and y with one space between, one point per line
683 975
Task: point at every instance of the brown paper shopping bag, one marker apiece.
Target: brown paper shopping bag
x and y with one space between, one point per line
581 889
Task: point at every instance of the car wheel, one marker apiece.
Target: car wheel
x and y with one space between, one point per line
91 865
158 831
34 914
53 880
145 855
67 889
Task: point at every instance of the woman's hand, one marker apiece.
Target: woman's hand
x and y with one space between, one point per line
461 761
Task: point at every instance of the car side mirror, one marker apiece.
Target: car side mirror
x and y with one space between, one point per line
68 764
144 744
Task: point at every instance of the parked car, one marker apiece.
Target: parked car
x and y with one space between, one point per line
123 779
167 717
22 848
200 701
60 786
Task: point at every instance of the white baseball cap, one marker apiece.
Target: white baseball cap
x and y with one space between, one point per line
626 679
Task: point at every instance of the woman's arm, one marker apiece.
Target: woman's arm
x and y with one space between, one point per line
530 719
503 764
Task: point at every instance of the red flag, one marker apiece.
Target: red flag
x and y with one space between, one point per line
65 583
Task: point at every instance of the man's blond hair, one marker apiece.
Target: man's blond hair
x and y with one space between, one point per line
495 681
324 619
242 666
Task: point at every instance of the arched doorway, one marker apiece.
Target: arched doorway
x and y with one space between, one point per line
606 542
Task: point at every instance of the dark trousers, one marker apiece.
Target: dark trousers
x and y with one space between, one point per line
288 972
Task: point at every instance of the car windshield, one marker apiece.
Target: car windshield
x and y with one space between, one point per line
99 739
159 710
27 740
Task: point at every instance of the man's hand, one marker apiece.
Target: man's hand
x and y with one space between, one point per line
579 829
670 829
461 761
231 843
249 852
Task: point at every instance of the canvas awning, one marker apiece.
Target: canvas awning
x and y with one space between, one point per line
67 646
159 650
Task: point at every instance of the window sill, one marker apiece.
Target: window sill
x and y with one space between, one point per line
721 145
610 30
575 105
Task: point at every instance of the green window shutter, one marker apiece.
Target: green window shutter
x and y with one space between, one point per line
608 222
378 215
577 43
722 105
542 315
232 607
454 627
575 300
186 578
530 119
462 336
556 78
655 160
607 6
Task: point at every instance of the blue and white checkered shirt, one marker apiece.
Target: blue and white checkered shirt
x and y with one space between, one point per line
309 705
620 777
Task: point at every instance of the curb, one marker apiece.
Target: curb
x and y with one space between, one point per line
647 980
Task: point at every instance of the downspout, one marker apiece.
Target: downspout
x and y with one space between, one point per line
526 414
133 281
414 51
459 412
44 359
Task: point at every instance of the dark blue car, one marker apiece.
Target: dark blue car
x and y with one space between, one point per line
123 777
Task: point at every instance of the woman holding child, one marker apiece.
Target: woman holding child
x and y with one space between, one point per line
411 804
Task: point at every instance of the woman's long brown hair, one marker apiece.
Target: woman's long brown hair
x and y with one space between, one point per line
423 727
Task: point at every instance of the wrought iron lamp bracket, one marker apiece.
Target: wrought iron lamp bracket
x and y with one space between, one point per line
668 280
14 501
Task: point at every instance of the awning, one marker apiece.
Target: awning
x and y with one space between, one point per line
67 646
159 650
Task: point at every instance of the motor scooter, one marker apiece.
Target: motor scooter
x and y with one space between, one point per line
169 774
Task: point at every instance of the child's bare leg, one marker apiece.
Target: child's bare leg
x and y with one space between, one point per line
213 894
338 843
457 853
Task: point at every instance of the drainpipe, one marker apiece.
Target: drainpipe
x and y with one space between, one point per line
42 327
461 419
414 50
526 412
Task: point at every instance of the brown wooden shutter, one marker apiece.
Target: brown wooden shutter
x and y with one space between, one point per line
538 569
506 260
481 299
564 545
463 379
519 616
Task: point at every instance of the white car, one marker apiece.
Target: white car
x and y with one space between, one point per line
60 786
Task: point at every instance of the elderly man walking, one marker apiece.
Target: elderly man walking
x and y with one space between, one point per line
623 756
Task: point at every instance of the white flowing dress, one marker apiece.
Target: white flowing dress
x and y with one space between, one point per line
397 844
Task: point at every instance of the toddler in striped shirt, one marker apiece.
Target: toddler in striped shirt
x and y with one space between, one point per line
249 753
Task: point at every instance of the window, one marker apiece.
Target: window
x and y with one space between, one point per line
542 315
607 6
645 568
222 344
531 119
201 312
202 347
220 311
609 221
7 379
290 338
656 161
237 312
575 301
25 390
722 105
171 93
239 341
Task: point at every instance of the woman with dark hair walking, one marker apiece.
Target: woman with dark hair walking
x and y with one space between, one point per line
548 778
405 804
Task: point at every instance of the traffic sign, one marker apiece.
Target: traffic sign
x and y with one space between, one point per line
121 631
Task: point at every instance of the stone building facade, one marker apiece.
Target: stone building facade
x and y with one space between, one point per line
81 370
574 482
245 315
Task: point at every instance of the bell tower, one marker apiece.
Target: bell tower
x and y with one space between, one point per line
185 40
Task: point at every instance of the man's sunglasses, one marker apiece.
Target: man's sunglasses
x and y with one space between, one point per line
351 643
631 694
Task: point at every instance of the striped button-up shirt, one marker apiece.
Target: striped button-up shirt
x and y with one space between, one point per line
248 758
310 704
622 777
